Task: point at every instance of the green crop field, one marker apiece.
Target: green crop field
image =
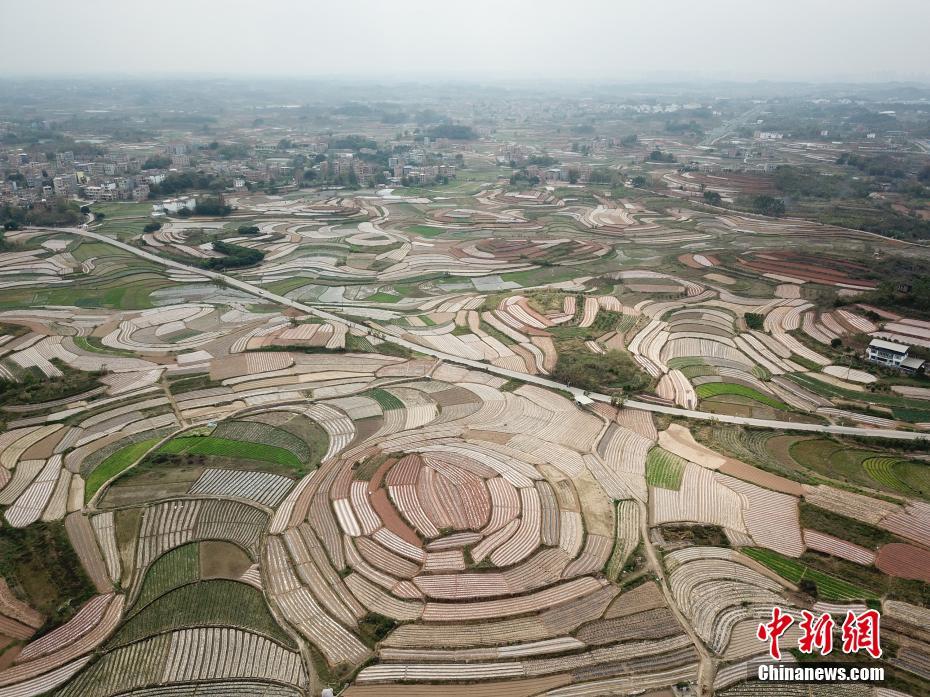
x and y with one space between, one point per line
209 445
115 464
173 569
214 603
855 531
828 587
911 415
285 286
385 399
382 297
899 475
121 209
256 432
716 389
664 469
687 362
866 468
425 230
92 343
698 371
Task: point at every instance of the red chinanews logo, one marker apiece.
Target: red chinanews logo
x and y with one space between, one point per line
859 632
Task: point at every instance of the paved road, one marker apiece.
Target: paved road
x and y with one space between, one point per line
503 372
724 129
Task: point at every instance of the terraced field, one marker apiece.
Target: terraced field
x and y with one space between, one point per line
827 587
225 447
716 389
333 506
116 463
174 569
909 478
864 467
664 469
214 603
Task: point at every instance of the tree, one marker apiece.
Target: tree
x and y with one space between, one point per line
808 587
353 142
713 198
152 227
573 176
248 230
658 156
157 162
452 132
613 370
179 182
768 205
541 160
213 205
57 212
234 256
234 151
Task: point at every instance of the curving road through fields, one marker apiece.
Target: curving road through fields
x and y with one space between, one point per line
503 372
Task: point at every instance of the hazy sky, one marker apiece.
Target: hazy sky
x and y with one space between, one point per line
480 40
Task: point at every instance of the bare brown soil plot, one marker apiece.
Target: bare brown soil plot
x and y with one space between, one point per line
45 447
780 449
904 561
748 473
820 269
688 260
644 597
127 533
222 560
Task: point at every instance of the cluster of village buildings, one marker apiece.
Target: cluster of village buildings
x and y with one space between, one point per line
132 172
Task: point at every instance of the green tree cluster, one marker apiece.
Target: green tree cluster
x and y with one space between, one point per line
157 162
234 256
768 205
658 156
613 370
452 131
213 205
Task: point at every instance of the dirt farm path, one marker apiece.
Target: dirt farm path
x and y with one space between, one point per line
707 666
